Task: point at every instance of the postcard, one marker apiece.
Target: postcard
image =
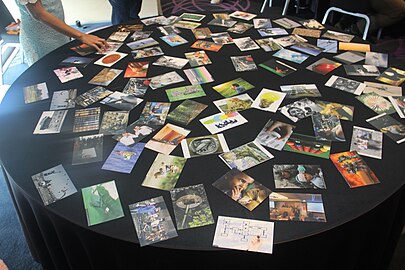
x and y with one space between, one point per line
323 66
130 27
344 84
166 79
170 20
135 132
242 15
155 112
136 86
222 22
222 121
327 127
292 56
198 58
139 35
164 172
76 61
186 112
354 169
273 31
268 44
87 119
185 92
136 69
343 37
233 87
300 90
87 149
399 105
83 49
268 100
201 33
361 70
376 59
240 28
206 45
259 23
389 126
118 36
299 109
307 32
298 176
167 138
367 142
35 92
67 74
92 96
142 43
307 48
152 221
328 46
392 76
350 57
169 30
221 38
290 40
50 122
377 103
312 24
111 47
187 24
191 207
153 20
246 44
243 63
351 46
246 156
242 188
257 235
224 16
53 184
204 145
64 99
198 75
192 16
147 52
121 101
342 111
277 67
296 207
171 62
105 76
114 122
286 23
308 145
275 134
236 103
123 158
174 40
102 203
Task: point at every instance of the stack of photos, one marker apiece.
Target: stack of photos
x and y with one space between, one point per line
275 134
198 58
246 156
299 109
171 62
300 90
277 67
185 92
164 172
92 96
147 52
166 79
343 37
222 22
376 59
350 57
292 56
219 122
399 105
221 38
67 74
327 127
53 184
353 169
244 234
236 103
198 75
50 122
308 145
233 87
206 45
307 48
152 221
367 142
242 15
267 32
102 203
142 43
242 188
204 145
136 69
136 87
328 45
192 17
191 207
393 76
347 85
76 61
243 63
110 59
298 176
114 122
105 76
323 66
123 158
87 119
312 24
286 23
64 99
389 126
382 89
121 101
268 44
361 70
262 23
83 49
342 111
296 207
174 40
35 92
186 112
268 100
87 149
187 24
307 32
376 103
240 27
201 33
167 139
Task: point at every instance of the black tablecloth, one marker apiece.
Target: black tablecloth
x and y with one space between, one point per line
362 226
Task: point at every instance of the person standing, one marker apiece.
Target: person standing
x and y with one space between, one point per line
42 29
125 11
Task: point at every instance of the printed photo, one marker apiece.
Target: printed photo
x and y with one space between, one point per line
350 57
136 86
167 139
86 119
87 149
268 44
174 40
389 126
299 109
277 67
110 59
114 122
198 75
136 69
286 23
186 112
323 66
376 59
344 84
327 127
243 63
275 134
123 158
268 100
367 142
236 103
300 90
206 45
246 44
185 92
377 103
67 74
64 99
361 70
198 58
342 111
219 122
233 87
147 52
298 176
204 145
50 122
242 15
292 56
105 76
399 105
308 145
171 62
121 101
92 96
166 79
35 92
393 76
272 31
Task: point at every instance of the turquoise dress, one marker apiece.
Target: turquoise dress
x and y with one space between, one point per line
36 38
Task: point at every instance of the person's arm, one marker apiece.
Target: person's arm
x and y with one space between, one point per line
38 12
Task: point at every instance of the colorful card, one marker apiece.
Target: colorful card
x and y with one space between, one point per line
167 139
187 24
50 122
35 92
307 48
290 40
277 67
155 112
87 149
105 76
246 44
243 63
377 103
236 103
354 169
64 99
110 59
389 126
198 75
268 44
346 85
170 62
142 43
308 145
222 22
147 52
201 33
192 16
300 90
204 145
76 61
392 76
367 142
123 158
328 45
112 46
114 122
92 96
233 87
121 101
327 127
240 27
307 32
186 112
87 119
312 24
174 40
118 36
136 69
342 111
399 105
198 58
268 100
185 92
135 132
299 109
222 38
165 79
275 134
206 45
323 66
298 176
259 23
222 121
67 74
136 86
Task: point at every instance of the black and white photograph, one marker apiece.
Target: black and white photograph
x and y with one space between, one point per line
171 62
361 70
299 109
246 44
344 84
367 142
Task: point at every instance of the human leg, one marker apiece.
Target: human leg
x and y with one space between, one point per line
135 8
388 12
120 11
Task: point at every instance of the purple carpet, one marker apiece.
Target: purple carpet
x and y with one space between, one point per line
177 6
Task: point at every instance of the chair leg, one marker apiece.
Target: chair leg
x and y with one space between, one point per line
263 6
379 33
286 4
270 3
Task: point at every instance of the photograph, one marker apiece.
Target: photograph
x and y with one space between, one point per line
86 119
83 49
328 45
167 139
308 145
354 47
222 22
315 33
344 84
300 90
312 24
168 30
201 33
192 17
298 176
67 74
323 66
206 45
240 28
275 134
233 87
198 58
350 57
242 15
277 67
136 86
343 37
187 24
105 76
377 103
236 103
123 158
35 92
76 61
114 122
112 46
376 59
219 122
361 70
186 112
138 35
87 149
147 52
64 99
135 132
92 96
299 109
198 75
204 145
307 48
155 112
327 127
50 122
268 100
142 43
290 55
222 38
290 40
165 79
268 44
243 63
121 101
399 105
342 111
171 62
262 23
136 69
389 126
286 23
246 44
272 31
110 59
185 92
174 40
392 76
367 142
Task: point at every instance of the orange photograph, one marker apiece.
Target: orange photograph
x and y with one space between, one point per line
136 69
350 46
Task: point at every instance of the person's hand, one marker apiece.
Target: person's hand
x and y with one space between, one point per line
94 41
236 192
286 129
255 243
